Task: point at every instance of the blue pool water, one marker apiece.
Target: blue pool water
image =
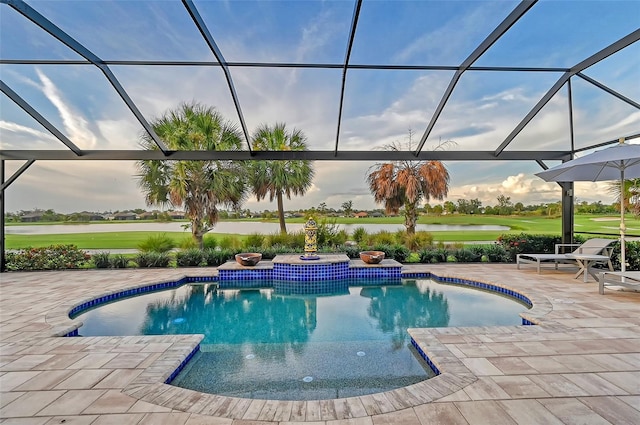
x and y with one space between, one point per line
266 343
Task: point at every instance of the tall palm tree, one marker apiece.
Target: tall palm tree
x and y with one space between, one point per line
631 194
406 183
199 186
279 178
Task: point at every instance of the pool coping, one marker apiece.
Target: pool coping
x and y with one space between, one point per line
151 385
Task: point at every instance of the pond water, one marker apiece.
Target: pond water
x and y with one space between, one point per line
238 227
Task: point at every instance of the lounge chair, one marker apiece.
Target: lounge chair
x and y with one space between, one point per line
629 280
593 251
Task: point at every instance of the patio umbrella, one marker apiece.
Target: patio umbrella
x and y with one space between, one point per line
618 162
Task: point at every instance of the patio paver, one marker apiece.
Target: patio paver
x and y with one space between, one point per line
580 364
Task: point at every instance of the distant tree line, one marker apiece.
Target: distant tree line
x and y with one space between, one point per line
347 209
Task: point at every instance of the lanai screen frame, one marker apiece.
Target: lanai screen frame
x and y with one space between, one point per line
73 153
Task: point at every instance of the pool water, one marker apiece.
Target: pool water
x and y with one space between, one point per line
261 344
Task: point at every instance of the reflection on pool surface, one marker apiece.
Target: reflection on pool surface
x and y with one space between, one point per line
260 344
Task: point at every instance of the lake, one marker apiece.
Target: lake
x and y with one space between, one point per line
238 227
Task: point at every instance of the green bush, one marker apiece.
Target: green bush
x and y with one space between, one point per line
254 240
467 255
215 257
497 253
209 241
153 259
329 233
157 243
516 244
191 257
434 255
632 256
416 241
296 241
230 243
359 234
187 243
393 252
351 251
101 260
54 257
118 261
276 239
383 237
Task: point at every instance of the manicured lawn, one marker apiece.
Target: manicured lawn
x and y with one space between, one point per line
527 224
115 240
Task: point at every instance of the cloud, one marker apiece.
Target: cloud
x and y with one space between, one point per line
75 124
380 108
20 135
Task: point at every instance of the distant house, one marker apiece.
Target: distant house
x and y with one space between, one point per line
377 214
361 214
90 216
124 216
148 215
177 215
31 218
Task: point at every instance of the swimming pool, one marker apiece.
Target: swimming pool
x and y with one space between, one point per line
268 343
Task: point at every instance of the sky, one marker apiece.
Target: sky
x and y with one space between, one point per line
381 106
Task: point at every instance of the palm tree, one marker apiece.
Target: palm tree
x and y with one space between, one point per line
631 194
199 186
406 183
279 178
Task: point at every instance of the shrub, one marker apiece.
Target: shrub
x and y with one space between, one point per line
393 252
496 253
277 239
433 255
381 238
118 261
401 253
187 243
327 233
209 241
157 243
351 251
254 240
54 257
296 241
416 241
153 259
520 243
190 257
230 243
632 255
215 257
101 260
466 255
359 234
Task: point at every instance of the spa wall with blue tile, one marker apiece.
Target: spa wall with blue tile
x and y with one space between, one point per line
311 272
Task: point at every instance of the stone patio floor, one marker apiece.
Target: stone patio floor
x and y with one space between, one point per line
579 365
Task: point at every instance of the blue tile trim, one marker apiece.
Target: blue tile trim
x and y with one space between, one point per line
124 294
328 273
426 358
182 364
467 282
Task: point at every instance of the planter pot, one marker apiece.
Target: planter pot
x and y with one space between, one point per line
248 258
372 257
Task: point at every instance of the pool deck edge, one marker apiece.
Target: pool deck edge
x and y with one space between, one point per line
584 351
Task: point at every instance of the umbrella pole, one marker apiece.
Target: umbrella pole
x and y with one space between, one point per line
623 254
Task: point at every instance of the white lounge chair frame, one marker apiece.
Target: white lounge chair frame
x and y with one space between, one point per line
598 249
629 280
